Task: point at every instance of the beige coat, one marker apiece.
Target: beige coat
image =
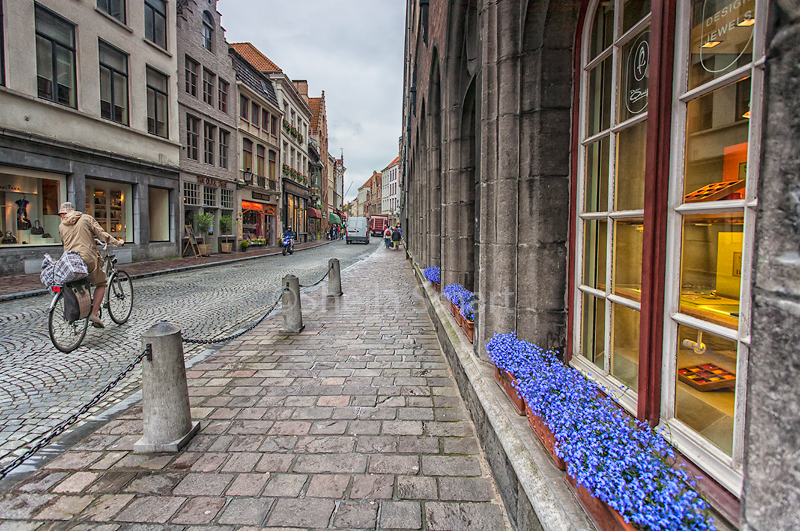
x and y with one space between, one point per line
78 231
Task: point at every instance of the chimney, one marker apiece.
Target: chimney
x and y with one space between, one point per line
302 87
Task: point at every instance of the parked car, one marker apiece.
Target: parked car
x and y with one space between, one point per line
357 230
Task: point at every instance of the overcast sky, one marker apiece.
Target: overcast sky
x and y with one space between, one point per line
351 49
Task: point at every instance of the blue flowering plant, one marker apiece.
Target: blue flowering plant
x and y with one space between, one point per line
467 306
453 293
618 459
432 274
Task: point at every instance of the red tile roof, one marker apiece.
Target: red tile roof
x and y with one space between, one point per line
395 161
255 57
316 105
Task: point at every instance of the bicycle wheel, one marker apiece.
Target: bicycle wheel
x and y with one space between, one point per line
65 336
119 297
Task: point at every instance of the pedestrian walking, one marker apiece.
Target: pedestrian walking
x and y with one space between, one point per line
396 238
387 237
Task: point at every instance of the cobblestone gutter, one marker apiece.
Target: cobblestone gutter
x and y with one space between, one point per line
533 490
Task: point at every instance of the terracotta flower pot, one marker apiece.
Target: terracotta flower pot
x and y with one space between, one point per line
437 287
545 436
453 309
606 518
504 380
469 329
459 318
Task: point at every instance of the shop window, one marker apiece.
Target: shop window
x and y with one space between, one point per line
224 140
226 198
255 114
192 71
244 107
159 214
110 205
55 58
223 95
209 196
155 22
209 139
157 101
192 136
113 84
208 86
208 32
190 193
115 8
28 201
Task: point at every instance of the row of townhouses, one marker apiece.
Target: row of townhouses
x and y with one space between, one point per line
140 113
380 195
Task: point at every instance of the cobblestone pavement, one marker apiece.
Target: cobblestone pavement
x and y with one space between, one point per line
355 423
40 386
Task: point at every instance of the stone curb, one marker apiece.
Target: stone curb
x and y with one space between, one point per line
36 293
532 488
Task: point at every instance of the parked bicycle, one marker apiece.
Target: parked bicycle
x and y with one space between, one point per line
67 335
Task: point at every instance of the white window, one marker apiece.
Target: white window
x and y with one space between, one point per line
190 195
226 198
209 196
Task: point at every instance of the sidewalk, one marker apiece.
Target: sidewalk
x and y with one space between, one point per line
20 286
356 423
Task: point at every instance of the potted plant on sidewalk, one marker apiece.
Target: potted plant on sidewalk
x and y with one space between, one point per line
204 223
225 224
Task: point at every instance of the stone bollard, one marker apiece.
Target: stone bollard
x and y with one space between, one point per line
167 418
335 278
290 305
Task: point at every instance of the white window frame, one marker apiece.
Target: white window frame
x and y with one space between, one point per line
193 188
626 396
725 469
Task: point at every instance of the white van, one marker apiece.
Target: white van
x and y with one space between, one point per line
357 230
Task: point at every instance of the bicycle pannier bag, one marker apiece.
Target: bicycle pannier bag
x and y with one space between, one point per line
77 301
37 228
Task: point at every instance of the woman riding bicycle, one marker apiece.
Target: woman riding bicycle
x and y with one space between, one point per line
78 231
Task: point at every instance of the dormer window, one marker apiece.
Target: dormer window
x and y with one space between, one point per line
208 31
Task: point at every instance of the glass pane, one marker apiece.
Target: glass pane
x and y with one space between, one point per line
717 130
627 273
598 117
151 111
596 191
113 58
161 31
156 80
631 154
54 27
634 76
633 11
722 38
711 267
149 24
625 345
595 235
66 76
602 28
44 67
120 98
105 93
705 393
161 112
593 334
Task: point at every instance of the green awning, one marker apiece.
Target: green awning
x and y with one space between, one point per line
334 218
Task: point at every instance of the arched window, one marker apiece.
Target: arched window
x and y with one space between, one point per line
696 227
208 31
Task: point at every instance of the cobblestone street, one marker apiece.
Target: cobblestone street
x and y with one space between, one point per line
40 386
356 423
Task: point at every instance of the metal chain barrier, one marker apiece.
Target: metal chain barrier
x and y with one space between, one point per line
61 428
240 332
328 272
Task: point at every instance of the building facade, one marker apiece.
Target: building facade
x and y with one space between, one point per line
390 198
207 96
364 199
636 239
259 141
375 194
318 131
89 115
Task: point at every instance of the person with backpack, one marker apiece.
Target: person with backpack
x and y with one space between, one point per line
387 237
396 238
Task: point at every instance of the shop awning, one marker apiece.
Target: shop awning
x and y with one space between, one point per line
335 219
314 213
249 205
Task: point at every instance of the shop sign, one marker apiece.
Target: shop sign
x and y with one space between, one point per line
727 32
258 195
212 182
19 184
636 77
269 210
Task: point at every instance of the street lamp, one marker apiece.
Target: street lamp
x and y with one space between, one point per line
245 180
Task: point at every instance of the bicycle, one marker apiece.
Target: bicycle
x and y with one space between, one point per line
67 336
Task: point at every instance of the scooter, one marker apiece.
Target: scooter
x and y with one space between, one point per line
288 247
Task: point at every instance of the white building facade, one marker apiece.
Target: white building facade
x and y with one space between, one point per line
391 191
